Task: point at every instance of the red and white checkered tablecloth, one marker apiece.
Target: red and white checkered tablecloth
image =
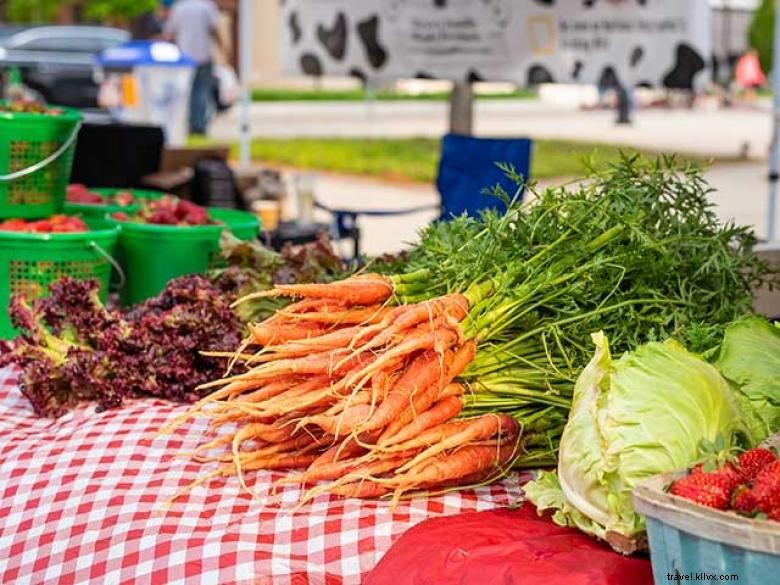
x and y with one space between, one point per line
81 501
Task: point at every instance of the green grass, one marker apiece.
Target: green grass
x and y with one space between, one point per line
286 95
416 159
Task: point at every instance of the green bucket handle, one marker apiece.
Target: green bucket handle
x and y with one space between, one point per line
99 249
47 161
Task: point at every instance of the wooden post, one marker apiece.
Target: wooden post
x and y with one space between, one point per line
461 108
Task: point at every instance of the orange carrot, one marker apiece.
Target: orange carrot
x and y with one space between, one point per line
431 436
438 340
327 472
284 461
319 363
353 316
309 305
363 289
462 358
479 428
349 447
269 390
419 401
454 306
425 370
444 410
264 334
457 464
343 423
360 489
422 400
331 340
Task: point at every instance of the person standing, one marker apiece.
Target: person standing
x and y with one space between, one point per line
748 74
194 26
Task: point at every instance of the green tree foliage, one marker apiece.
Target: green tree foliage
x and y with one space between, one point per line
102 10
761 33
32 10
92 10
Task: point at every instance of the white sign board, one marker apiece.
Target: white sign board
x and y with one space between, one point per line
654 42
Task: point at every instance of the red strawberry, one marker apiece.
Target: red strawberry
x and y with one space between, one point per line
774 515
730 474
754 460
766 488
743 501
708 489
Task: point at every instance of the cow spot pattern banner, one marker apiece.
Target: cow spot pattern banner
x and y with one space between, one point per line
662 43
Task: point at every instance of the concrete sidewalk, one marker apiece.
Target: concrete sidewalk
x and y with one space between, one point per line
740 195
732 133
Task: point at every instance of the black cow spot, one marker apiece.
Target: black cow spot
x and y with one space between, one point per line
645 84
575 73
636 56
295 27
608 78
423 75
546 2
474 77
688 64
357 72
440 3
539 74
334 39
311 65
367 31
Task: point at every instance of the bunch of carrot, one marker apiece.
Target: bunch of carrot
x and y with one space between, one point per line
355 394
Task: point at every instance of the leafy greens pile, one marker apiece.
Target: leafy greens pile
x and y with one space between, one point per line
635 251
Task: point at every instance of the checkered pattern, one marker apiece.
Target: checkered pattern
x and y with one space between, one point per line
82 501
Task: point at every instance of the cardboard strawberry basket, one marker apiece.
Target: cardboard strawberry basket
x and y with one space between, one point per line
705 544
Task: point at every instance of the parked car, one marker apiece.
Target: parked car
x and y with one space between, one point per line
58 61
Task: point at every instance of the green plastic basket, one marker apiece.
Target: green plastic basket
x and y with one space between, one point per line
151 255
36 154
98 210
29 263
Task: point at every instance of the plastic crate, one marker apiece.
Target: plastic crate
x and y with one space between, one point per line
29 263
688 539
36 154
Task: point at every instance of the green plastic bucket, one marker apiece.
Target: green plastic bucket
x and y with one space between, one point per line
36 154
29 263
100 210
151 255
244 225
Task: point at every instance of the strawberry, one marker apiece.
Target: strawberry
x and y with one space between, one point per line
754 460
774 515
766 488
708 489
730 474
743 501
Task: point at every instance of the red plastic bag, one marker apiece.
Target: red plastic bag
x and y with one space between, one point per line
506 547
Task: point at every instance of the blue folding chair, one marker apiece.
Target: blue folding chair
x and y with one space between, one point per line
466 167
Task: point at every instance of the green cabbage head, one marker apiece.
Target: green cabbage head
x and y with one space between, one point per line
643 414
749 358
